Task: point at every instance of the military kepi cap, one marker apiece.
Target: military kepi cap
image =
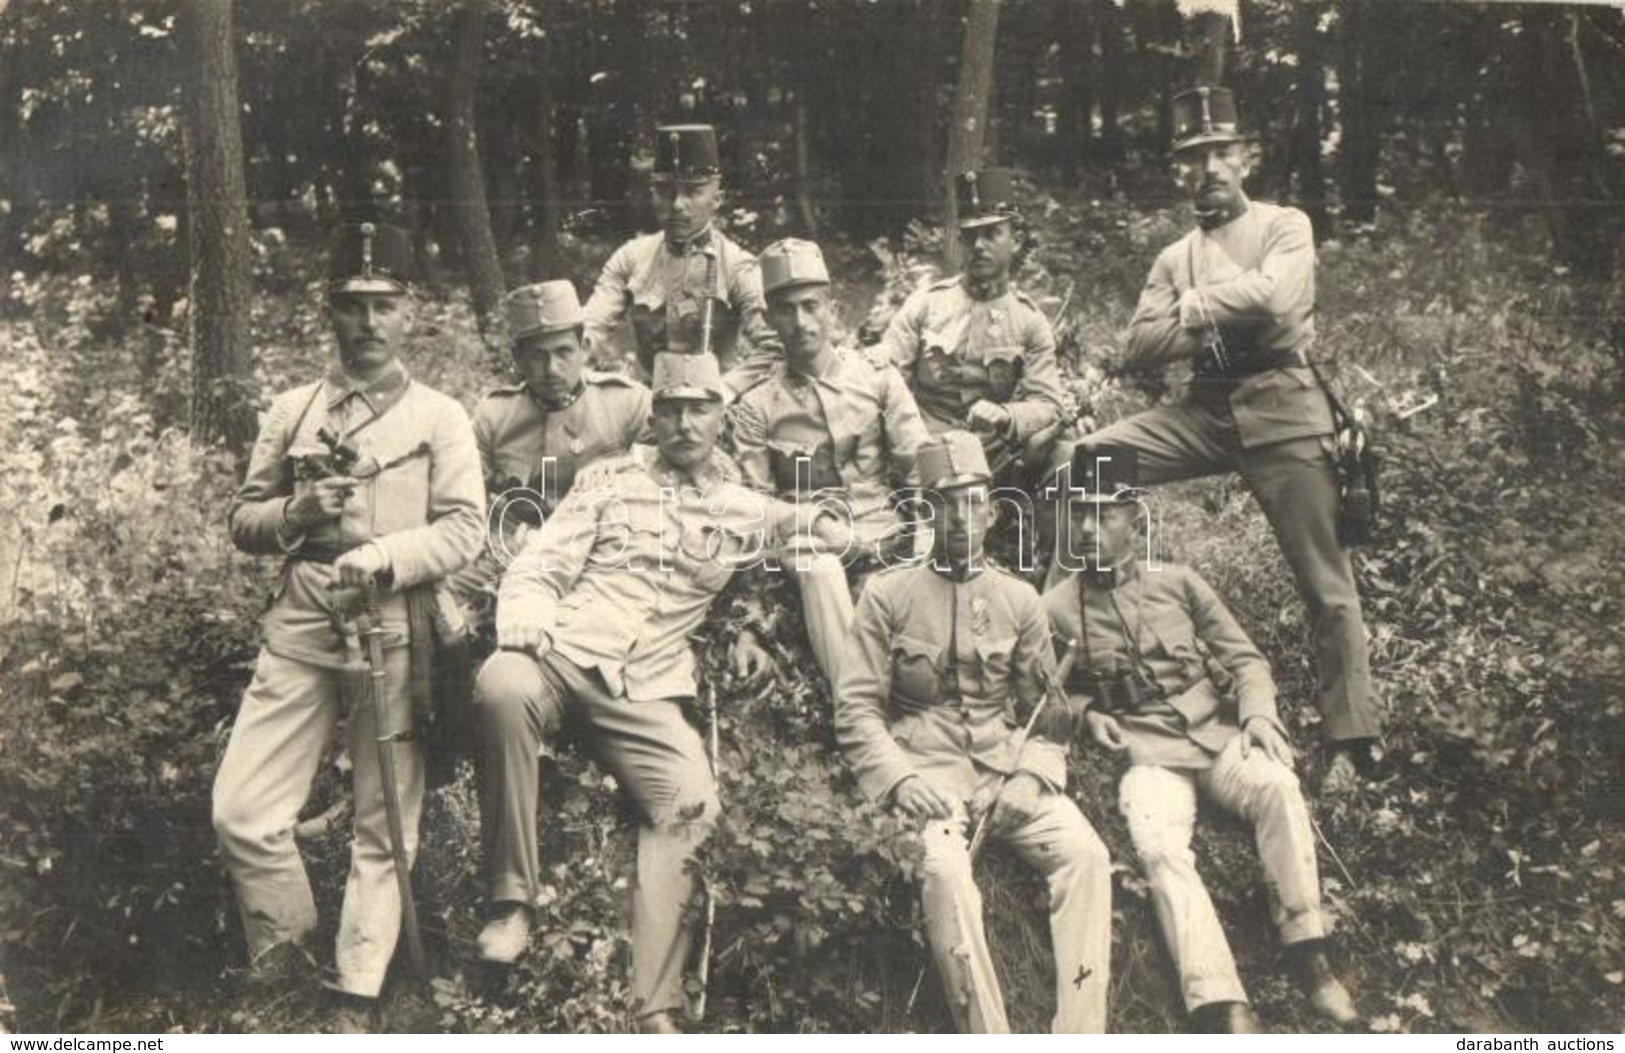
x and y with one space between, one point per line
686 153
370 258
792 261
678 376
952 460
546 307
1204 116
1105 474
984 197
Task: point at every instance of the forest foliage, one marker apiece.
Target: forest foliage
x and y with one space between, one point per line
1465 178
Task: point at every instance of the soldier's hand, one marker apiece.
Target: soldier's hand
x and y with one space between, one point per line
1017 802
749 661
988 416
1261 734
1104 729
514 634
918 799
361 566
324 500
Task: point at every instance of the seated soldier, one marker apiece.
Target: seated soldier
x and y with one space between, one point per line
593 622
1140 633
536 435
825 426
940 655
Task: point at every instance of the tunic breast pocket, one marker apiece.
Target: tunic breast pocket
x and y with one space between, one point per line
400 490
916 676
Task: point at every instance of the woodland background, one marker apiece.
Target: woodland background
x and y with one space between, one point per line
168 169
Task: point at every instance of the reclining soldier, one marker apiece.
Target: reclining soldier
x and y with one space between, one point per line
593 622
1142 632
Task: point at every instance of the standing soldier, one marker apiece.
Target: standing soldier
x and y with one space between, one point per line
1236 297
365 478
593 622
1143 682
536 435
942 653
825 426
663 280
978 353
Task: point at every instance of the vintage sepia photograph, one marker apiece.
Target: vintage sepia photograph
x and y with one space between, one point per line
812 516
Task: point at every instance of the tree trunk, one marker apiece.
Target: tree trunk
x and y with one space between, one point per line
1110 25
803 176
465 178
217 209
1207 30
1077 117
919 65
1360 148
548 214
967 131
1306 135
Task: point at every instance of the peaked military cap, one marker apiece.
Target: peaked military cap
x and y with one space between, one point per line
1105 474
545 307
1204 116
950 461
984 197
686 153
792 261
678 376
370 258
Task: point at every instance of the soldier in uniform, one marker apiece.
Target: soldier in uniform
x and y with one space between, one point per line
536 435
663 279
1143 633
593 622
403 509
942 652
1236 297
977 352
825 425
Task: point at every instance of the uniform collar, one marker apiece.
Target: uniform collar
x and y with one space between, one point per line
958 574
1214 221
387 384
1112 578
827 377
562 404
699 241
703 478
986 290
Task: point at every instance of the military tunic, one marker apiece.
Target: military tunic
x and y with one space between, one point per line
939 674
1185 741
1265 417
619 578
420 500
661 286
957 349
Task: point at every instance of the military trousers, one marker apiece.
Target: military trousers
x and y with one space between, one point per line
1159 805
1295 486
280 736
1060 844
826 608
654 753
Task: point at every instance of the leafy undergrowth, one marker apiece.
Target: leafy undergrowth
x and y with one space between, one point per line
1478 886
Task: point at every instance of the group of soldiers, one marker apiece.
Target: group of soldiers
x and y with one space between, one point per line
604 511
